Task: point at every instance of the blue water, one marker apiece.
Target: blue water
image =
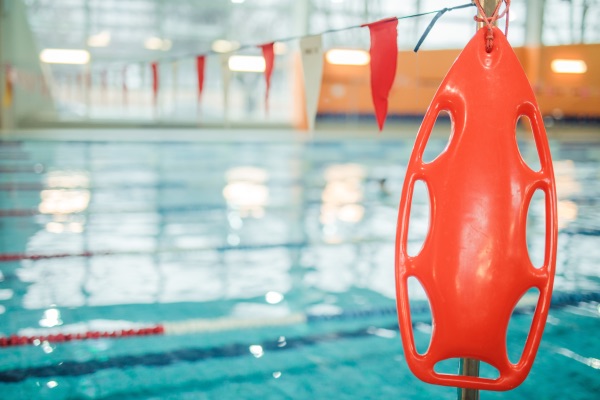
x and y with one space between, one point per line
166 232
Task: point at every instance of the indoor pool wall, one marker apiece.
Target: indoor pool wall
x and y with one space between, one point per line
282 246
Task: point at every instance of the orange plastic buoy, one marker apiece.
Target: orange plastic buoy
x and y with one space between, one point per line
474 264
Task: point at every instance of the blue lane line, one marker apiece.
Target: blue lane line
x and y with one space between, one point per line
76 368
559 300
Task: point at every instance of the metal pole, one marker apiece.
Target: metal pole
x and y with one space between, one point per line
488 6
469 366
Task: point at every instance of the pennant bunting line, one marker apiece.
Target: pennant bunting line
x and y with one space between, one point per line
293 38
383 52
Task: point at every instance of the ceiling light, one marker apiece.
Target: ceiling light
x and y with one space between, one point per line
153 43
64 56
101 39
562 66
247 63
156 43
224 46
347 57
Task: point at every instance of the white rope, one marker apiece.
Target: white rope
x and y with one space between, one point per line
228 324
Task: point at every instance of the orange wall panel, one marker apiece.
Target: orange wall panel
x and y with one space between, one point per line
570 94
346 89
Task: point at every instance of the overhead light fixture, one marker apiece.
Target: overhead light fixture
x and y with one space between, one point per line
347 57
247 63
156 43
101 39
153 43
224 46
64 56
563 66
237 1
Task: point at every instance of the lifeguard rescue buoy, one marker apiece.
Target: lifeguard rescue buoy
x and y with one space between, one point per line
474 264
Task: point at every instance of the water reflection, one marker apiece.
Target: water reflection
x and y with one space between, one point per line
48 348
269 239
62 201
565 174
59 227
67 179
589 361
68 192
6 294
51 318
246 192
256 350
273 297
567 186
567 213
52 283
341 198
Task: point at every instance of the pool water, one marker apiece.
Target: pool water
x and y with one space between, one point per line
270 263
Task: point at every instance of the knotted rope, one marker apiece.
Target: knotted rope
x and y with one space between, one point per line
489 21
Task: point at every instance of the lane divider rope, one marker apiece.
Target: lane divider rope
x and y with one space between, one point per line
199 326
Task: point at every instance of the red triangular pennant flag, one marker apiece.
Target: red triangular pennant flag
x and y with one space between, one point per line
269 56
200 70
155 83
384 55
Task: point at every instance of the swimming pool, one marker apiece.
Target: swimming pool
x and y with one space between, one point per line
247 269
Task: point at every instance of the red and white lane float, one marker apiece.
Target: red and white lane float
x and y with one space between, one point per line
112 329
474 264
60 336
115 329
